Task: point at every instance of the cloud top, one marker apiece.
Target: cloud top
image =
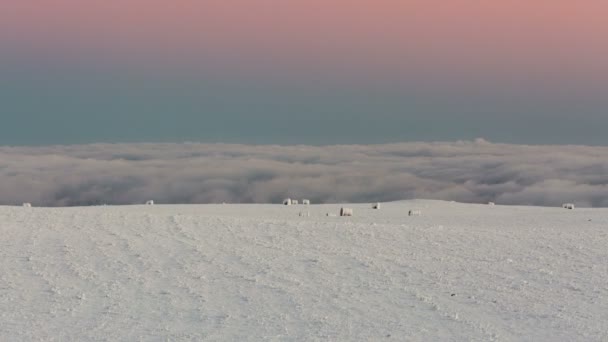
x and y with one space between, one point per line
478 171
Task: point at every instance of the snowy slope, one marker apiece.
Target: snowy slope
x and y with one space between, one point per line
459 272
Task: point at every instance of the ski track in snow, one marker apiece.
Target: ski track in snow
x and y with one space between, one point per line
261 272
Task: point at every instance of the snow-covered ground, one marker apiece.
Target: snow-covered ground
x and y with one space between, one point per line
458 272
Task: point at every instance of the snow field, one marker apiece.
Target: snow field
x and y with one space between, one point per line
262 272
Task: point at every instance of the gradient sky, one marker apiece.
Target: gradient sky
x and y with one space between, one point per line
303 71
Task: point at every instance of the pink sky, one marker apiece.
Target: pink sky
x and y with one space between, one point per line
381 36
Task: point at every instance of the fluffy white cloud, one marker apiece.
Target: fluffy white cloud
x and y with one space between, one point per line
477 171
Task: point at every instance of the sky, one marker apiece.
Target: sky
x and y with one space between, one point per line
303 71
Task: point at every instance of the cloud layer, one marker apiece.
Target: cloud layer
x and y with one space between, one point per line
477 171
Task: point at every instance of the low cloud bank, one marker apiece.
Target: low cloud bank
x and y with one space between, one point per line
477 171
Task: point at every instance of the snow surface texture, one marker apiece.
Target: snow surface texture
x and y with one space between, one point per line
460 272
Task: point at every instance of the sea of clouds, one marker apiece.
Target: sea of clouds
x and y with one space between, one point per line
467 171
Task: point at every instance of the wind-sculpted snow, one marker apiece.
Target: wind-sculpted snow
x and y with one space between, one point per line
200 173
263 273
